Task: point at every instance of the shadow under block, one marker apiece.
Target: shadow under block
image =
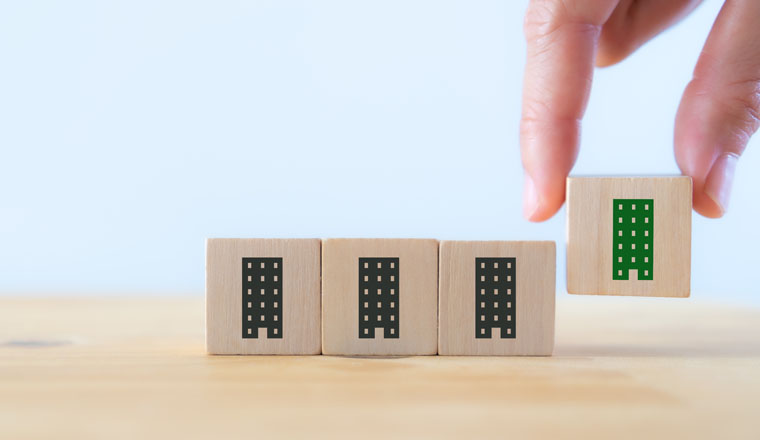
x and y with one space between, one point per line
262 296
379 297
496 298
629 236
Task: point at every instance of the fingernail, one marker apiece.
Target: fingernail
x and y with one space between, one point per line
720 179
530 198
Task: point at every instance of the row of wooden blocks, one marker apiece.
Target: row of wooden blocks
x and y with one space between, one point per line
380 297
626 236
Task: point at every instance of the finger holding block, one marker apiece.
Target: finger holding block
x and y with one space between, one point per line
262 296
379 296
629 236
496 298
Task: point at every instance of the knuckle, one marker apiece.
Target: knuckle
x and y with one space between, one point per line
741 100
543 37
733 104
545 18
539 18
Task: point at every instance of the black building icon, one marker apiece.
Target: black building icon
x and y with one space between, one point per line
262 297
495 297
378 297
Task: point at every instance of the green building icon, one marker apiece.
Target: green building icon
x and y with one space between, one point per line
632 237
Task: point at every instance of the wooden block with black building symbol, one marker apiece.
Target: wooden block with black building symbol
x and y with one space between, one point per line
263 296
379 296
496 298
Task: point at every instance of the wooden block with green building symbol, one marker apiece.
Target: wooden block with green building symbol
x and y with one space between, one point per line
616 245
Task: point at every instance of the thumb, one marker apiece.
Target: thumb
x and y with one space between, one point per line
720 108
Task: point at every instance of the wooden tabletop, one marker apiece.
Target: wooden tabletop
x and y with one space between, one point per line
136 368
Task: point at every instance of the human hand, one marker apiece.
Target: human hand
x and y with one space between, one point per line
719 110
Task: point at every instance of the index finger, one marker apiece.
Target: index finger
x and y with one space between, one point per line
561 46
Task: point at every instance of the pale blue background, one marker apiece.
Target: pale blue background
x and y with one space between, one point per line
132 130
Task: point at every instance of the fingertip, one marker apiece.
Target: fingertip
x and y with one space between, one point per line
707 207
543 213
716 193
710 193
702 202
540 203
610 51
531 202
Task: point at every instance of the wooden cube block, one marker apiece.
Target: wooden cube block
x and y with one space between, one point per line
379 296
262 296
496 298
629 236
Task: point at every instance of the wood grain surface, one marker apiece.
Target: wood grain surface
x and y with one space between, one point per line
623 368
